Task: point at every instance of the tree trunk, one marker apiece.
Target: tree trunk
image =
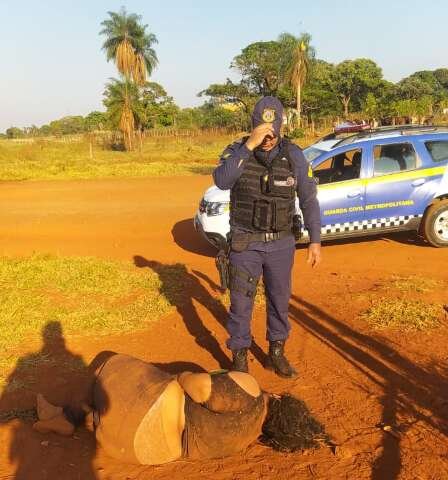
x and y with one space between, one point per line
298 103
345 102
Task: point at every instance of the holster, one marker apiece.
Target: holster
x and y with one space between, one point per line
223 266
297 227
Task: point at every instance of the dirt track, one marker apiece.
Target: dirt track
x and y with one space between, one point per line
354 379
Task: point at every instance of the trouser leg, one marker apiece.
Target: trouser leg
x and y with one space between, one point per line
277 279
246 264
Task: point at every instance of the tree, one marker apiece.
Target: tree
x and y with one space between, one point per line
95 121
122 100
318 96
45 130
229 92
14 132
441 74
295 63
70 125
210 115
371 105
260 67
417 85
386 95
158 107
352 79
129 45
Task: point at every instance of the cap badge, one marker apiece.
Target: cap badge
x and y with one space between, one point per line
268 115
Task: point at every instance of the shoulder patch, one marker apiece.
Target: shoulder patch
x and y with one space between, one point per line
310 171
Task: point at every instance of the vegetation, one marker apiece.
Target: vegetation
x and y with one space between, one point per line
288 67
129 45
298 56
402 314
409 309
86 295
51 159
414 284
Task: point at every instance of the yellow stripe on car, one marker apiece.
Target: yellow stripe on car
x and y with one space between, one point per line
388 178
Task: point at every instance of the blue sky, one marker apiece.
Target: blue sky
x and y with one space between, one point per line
52 64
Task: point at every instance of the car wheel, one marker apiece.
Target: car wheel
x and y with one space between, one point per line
435 227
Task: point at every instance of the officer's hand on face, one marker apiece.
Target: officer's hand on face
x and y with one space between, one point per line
314 255
258 133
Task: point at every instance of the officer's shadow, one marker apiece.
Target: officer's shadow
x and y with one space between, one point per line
63 378
181 288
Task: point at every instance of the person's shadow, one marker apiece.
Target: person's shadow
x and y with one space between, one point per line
63 378
410 389
181 288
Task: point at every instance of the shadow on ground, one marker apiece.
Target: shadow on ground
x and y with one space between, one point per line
63 378
186 237
182 288
407 388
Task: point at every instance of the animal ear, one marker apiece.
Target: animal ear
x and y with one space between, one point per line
198 386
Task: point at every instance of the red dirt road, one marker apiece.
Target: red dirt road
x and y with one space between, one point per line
355 380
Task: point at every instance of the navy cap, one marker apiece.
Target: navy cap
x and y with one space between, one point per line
268 110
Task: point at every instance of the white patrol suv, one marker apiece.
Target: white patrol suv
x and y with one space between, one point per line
377 181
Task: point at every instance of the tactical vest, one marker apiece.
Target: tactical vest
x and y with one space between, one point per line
263 198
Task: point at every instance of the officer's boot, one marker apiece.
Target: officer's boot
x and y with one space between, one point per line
277 360
239 363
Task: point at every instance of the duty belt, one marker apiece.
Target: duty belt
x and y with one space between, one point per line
269 236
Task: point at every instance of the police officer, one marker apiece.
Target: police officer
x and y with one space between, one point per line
264 172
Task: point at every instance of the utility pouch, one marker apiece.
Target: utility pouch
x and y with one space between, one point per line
242 282
263 215
240 241
281 186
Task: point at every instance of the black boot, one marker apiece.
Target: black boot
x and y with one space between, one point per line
277 360
239 363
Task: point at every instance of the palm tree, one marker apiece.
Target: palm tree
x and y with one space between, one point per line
297 59
145 57
130 46
124 107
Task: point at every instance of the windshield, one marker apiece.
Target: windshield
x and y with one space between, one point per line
311 153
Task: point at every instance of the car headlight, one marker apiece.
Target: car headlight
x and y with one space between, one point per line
216 208
212 209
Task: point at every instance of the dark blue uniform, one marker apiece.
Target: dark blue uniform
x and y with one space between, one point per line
273 259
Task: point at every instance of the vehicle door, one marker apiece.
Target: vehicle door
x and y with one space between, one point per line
341 190
397 191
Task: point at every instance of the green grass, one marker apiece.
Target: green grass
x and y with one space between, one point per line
46 160
84 295
57 159
414 284
402 314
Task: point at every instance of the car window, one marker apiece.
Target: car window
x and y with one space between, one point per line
438 150
394 158
344 166
311 153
